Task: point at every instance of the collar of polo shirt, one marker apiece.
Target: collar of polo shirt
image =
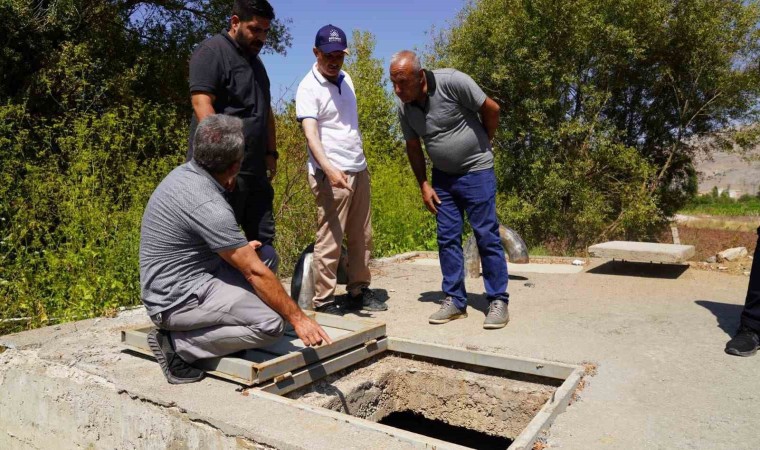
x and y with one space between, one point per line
321 78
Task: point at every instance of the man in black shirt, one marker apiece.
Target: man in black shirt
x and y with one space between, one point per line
228 77
747 339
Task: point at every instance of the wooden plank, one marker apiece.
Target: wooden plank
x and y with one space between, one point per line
309 355
286 355
352 324
514 364
551 409
334 333
135 340
321 369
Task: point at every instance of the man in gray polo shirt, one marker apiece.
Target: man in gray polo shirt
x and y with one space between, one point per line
457 121
204 285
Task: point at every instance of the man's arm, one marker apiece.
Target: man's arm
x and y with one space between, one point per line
489 112
271 159
270 290
337 178
417 161
203 105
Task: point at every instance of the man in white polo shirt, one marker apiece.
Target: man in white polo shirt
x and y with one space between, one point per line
338 176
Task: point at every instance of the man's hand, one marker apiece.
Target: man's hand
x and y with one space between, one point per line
337 179
254 244
271 163
310 332
430 198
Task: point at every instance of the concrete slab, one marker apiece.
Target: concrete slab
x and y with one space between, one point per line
663 380
642 251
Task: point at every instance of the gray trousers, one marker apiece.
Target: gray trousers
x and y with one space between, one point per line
223 316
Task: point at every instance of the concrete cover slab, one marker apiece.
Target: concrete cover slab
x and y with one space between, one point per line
642 251
663 379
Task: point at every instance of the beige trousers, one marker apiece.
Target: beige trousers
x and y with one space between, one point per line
341 213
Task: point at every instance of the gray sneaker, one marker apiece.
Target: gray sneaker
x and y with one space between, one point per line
447 313
498 315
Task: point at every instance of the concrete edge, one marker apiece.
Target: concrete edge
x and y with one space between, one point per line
551 409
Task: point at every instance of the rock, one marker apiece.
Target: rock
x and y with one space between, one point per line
530 285
711 259
722 268
577 262
746 273
732 254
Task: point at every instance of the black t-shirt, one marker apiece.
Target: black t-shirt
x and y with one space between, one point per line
241 87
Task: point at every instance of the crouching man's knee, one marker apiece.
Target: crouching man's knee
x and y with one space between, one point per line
275 327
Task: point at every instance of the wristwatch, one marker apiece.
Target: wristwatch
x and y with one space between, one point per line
274 154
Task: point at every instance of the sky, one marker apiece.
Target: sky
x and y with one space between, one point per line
396 24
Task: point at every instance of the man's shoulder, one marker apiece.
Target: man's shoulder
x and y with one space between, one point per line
446 75
186 184
215 44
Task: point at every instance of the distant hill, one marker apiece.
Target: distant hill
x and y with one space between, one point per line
728 171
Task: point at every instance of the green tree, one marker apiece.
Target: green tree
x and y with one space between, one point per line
600 99
93 114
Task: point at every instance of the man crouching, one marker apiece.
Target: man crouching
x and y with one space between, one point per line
204 285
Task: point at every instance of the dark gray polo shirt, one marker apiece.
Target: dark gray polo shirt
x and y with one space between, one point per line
186 224
448 123
241 87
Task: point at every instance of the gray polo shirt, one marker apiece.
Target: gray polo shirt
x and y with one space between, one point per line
448 123
186 224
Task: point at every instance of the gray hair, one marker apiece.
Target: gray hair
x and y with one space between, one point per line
407 54
218 143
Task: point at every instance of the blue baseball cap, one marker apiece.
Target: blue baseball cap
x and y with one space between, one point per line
331 39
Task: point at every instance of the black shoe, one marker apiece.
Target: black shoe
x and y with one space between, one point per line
330 308
367 301
175 369
745 343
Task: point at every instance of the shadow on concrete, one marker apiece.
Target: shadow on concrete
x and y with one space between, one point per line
640 269
475 301
513 277
726 314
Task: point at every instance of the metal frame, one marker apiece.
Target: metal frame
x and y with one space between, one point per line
286 375
285 356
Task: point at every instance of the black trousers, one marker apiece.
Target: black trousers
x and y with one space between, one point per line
751 313
252 201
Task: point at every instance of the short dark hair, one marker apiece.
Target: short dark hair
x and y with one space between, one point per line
246 9
218 143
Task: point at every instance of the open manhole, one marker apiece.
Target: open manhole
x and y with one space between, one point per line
465 405
430 395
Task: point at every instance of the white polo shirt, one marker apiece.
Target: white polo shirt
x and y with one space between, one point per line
334 108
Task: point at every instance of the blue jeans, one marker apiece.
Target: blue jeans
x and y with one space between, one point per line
475 194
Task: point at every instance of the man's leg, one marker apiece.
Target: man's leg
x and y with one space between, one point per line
332 212
223 317
359 238
478 190
751 314
449 222
252 201
747 340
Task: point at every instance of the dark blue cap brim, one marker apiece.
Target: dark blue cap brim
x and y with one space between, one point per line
333 47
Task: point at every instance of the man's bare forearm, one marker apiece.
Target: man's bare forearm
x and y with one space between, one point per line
266 284
489 113
416 160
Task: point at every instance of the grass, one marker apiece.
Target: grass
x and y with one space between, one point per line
721 206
